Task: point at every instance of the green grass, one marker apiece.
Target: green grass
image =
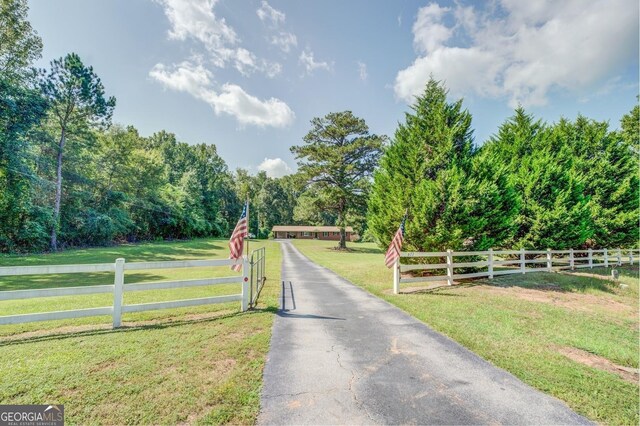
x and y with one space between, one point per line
189 365
519 323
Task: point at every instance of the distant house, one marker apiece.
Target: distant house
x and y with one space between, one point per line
312 232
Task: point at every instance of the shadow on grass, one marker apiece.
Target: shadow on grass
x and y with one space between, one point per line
145 325
133 252
37 282
365 250
354 250
562 282
442 290
630 271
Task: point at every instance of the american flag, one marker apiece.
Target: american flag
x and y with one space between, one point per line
393 252
236 242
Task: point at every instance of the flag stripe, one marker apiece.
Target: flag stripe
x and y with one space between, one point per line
236 242
393 252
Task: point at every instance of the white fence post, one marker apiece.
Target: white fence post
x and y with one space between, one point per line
590 258
118 287
396 276
631 256
619 257
522 264
244 303
449 267
549 261
490 261
572 261
606 259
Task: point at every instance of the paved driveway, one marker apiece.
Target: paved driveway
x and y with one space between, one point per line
342 356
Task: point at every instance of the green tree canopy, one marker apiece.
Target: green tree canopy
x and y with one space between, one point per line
336 161
77 102
20 45
453 201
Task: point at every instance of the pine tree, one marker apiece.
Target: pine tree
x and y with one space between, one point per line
336 162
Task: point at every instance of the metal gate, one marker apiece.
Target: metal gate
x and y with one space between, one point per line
256 275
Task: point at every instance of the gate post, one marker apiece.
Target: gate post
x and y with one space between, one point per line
522 264
606 259
590 251
396 276
449 267
118 287
549 261
244 303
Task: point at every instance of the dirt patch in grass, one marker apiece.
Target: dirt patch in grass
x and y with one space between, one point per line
569 300
549 294
629 374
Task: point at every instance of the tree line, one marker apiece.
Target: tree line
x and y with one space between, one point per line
572 184
71 177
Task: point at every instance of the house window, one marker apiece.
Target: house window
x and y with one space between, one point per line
336 233
325 234
306 234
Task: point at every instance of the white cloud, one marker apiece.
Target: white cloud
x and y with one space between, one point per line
271 69
231 99
275 167
524 51
268 13
248 109
183 77
362 71
309 63
284 41
196 20
428 32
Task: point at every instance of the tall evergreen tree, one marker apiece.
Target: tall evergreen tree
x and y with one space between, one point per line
607 163
337 160
77 102
428 170
553 210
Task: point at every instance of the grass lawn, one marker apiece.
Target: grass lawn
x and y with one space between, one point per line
570 335
200 364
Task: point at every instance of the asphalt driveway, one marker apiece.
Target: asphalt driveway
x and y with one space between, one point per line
342 356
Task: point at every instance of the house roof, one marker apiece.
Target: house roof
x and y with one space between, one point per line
296 228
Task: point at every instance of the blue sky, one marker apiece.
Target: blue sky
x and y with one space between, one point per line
248 76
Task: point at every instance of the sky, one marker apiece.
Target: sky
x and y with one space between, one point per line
248 76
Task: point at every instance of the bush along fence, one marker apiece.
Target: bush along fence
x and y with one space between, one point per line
119 288
491 263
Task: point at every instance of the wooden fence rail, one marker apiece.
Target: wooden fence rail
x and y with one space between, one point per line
544 260
119 288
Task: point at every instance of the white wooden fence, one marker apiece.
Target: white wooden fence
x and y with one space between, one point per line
544 260
119 287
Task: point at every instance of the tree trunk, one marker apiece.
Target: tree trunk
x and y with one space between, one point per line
341 224
56 208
